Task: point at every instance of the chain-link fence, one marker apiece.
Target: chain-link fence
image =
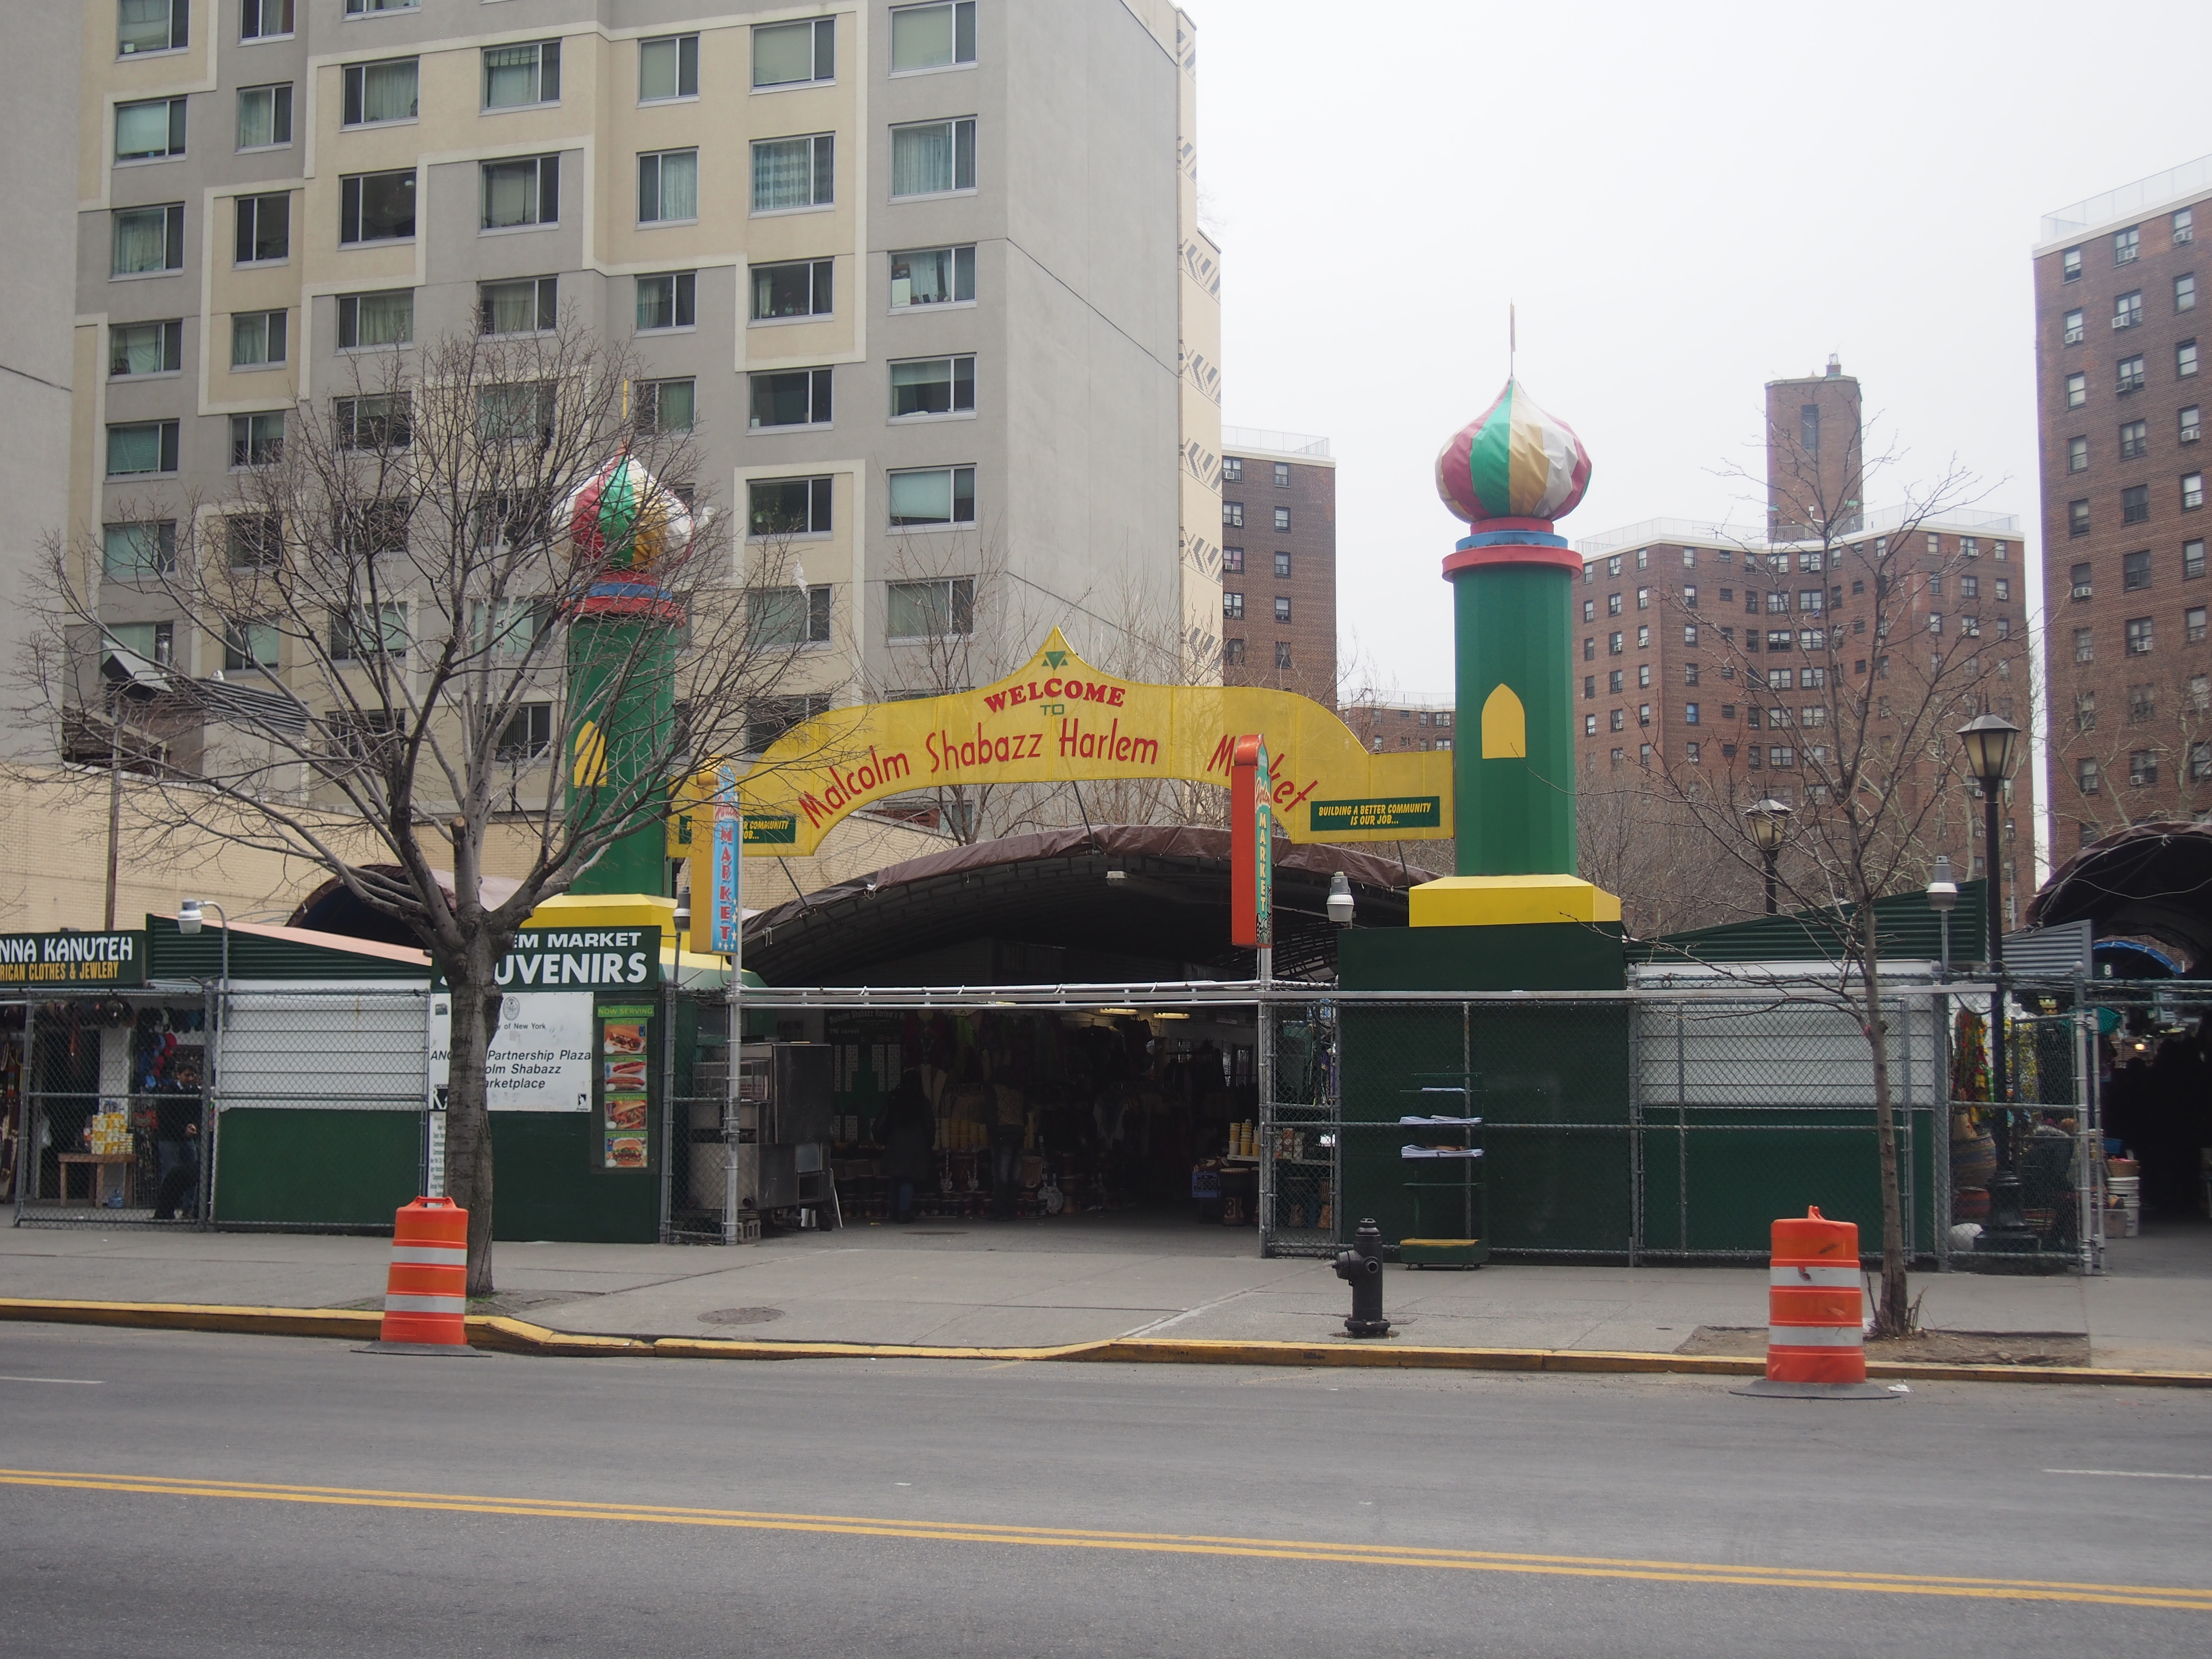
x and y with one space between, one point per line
1637 1127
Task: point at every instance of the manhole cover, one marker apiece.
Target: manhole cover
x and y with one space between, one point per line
740 1316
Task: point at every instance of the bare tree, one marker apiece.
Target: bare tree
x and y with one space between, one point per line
2147 756
1850 712
402 590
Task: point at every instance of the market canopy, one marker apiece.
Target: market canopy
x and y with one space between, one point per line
1058 719
2151 882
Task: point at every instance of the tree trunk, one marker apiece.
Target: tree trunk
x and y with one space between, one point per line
1894 1317
468 1124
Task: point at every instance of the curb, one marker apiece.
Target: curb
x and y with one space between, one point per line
517 1336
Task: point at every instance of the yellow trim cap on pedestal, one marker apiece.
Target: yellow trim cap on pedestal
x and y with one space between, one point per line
1501 900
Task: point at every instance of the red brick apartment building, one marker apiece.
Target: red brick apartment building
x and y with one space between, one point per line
1707 651
2119 400
1278 561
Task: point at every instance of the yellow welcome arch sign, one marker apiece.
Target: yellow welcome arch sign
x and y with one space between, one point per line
1058 719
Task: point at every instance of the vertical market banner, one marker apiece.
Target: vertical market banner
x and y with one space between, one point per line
1058 719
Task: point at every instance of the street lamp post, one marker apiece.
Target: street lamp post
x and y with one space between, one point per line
1942 899
1988 740
1769 821
188 923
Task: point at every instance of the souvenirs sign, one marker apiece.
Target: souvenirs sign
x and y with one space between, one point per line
1059 720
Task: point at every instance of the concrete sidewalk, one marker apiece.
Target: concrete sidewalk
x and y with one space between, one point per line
1090 1278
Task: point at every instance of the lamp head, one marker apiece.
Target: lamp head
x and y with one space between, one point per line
1943 890
1989 739
1341 902
188 917
1770 821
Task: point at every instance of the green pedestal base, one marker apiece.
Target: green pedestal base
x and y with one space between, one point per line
1443 1252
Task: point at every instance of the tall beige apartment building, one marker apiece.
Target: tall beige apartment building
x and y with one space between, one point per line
925 280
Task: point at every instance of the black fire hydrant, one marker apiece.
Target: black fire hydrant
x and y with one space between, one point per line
1361 1266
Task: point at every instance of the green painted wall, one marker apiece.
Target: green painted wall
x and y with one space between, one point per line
323 1168
548 1185
1562 955
622 675
1515 816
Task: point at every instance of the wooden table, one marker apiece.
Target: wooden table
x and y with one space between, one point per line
99 1163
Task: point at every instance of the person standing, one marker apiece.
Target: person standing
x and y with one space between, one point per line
907 1132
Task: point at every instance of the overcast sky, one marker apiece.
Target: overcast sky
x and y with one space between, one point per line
1686 201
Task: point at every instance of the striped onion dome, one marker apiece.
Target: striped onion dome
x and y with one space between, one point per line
623 519
1513 461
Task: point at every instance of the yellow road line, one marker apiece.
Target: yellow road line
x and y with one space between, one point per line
2180 1597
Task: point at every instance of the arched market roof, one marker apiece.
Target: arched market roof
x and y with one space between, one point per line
1117 903
2152 881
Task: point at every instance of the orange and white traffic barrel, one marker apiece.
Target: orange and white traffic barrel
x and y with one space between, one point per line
1815 1303
426 1294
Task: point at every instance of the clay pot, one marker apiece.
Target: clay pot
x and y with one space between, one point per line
1973 1162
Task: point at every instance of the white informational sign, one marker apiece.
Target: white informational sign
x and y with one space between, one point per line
541 1056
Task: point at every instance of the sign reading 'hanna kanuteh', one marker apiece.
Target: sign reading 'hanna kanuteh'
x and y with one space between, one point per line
62 960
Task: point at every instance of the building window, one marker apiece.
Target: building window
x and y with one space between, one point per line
667 67
933 37
1643 638
132 552
153 130
2085 711
249 645
137 448
2126 244
1643 598
2073 327
933 495
264 116
1589 725
373 7
2191 423
1689 714
2077 390
2184 292
1282 608
1232 606
2192 625
365 633
529 306
1644 754
1282 474
2192 560
2139 636
1643 558
2127 310
521 411
789 616
668 301
799 289
2143 768
941 275
1613 645
1232 468
2142 705
1589 647
1617 756
668 185
932 385
931 609
798 396
376 319
254 541
147 348
1619 719
257 338
787 507
516 78
264 19
2134 571
376 92
1643 674
2135 441
794 54
2192 491
1615 680
262 228
1232 515
2081 587
1232 656
1613 604
788 173
1589 611
1232 560
933 158
376 207
1282 653
2131 373
384 421
667 405
2077 454
149 241
1282 518
2184 226
2184 361
1283 567
2135 504
256 440
143 25
1693 752
2077 518
2069 264
2085 645
156 642
1590 688
1970 588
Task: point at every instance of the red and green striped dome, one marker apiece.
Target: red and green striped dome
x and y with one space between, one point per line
1513 461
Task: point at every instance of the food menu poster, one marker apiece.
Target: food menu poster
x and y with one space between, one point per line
624 1065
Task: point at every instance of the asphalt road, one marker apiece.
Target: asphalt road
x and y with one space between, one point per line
180 1495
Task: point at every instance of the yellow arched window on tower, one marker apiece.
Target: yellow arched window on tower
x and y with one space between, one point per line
1505 725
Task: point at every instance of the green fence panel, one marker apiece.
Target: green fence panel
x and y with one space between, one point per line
275 1167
